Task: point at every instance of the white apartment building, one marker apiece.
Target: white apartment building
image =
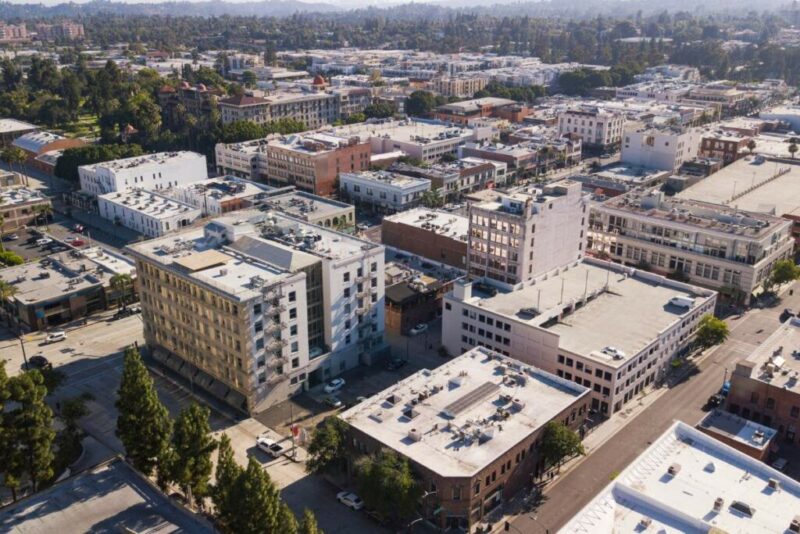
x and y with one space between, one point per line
610 328
256 307
151 172
383 191
514 238
147 212
716 246
244 160
596 127
660 148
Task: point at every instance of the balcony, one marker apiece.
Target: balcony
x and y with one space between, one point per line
276 378
278 361
273 327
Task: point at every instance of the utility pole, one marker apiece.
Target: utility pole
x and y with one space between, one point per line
22 345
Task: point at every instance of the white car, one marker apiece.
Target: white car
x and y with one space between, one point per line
362 226
420 328
351 500
334 385
270 446
55 337
43 241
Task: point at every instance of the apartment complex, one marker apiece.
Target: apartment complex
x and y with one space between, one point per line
312 109
313 162
689 482
150 172
459 86
13 33
382 191
665 148
713 245
196 100
147 212
515 237
61 31
436 235
471 430
597 128
257 306
610 328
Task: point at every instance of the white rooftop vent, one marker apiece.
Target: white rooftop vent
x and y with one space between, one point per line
719 502
518 404
414 435
795 524
456 381
674 469
774 484
645 522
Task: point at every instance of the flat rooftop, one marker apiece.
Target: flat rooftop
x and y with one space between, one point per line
645 497
738 429
449 419
776 361
392 179
622 311
438 222
303 205
630 174
226 187
310 143
149 203
752 184
111 497
13 125
160 158
19 195
406 131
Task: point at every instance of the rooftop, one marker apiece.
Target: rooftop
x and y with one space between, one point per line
406 131
738 429
440 223
19 195
514 203
391 179
303 205
630 174
753 184
622 310
688 482
312 143
13 125
35 141
777 360
458 418
472 106
111 497
149 203
226 187
159 158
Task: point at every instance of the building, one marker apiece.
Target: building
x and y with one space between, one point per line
471 430
665 148
689 482
424 141
18 206
726 99
789 114
436 235
313 109
745 436
617 179
764 386
611 328
455 179
10 129
150 172
243 160
13 33
65 286
352 100
292 305
414 291
61 31
724 145
314 162
147 212
713 245
462 113
383 191
109 496
195 100
38 143
217 196
313 209
514 238
597 128
459 86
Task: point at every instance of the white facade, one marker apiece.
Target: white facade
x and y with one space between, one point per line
241 159
147 212
151 172
596 127
514 238
664 149
384 191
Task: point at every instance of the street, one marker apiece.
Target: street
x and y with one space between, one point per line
573 490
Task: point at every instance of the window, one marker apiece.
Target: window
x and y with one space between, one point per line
256 309
292 296
456 493
295 346
295 363
770 403
259 326
795 412
754 397
293 330
293 313
346 277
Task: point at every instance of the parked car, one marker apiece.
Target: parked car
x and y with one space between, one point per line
787 312
78 228
78 242
270 446
55 337
43 242
39 362
420 328
10 237
362 226
351 500
334 385
780 464
333 401
396 363
715 400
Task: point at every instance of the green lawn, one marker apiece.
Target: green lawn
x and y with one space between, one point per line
85 126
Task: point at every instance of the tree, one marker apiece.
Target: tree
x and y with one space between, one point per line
142 112
386 484
30 425
784 271
13 156
238 131
793 149
286 520
558 442
122 284
192 445
309 523
257 503
379 110
228 472
42 213
711 331
751 145
9 258
327 448
143 423
249 78
72 158
432 199
420 103
7 290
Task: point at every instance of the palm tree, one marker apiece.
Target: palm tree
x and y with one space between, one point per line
121 283
12 156
42 212
7 290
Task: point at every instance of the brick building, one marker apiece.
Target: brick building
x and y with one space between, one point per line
439 236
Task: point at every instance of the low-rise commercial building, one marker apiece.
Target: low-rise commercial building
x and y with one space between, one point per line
471 430
665 148
455 179
292 304
147 212
751 438
19 206
436 235
611 328
151 172
10 129
463 112
414 292
38 143
689 482
382 191
727 146
217 196
712 245
243 160
310 208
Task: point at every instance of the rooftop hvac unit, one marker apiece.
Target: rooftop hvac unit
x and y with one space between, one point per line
674 469
719 502
518 404
414 435
645 522
795 524
774 484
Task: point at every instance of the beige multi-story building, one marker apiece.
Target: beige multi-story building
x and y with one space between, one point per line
597 128
516 237
312 109
459 86
61 31
607 327
257 306
712 245
13 33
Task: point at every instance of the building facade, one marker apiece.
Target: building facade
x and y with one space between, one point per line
147 212
383 191
660 148
597 128
150 172
436 235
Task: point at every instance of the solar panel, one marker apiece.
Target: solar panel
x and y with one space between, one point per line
471 398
